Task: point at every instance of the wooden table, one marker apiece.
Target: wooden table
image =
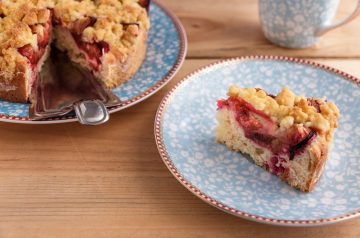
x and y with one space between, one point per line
109 181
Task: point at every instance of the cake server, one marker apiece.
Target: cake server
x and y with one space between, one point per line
63 87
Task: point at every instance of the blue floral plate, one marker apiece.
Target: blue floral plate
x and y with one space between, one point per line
165 54
184 131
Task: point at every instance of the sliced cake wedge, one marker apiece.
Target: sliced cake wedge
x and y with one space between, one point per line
288 135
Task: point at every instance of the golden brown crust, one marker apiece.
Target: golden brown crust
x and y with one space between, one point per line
125 71
135 59
16 90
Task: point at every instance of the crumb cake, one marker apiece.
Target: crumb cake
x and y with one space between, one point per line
25 33
288 135
108 37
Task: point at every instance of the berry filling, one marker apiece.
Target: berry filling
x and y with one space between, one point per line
263 131
277 165
92 51
300 146
257 125
145 4
43 32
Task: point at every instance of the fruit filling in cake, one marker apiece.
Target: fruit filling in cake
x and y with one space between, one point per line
36 54
288 135
91 51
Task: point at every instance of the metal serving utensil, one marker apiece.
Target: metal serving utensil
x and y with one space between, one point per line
63 87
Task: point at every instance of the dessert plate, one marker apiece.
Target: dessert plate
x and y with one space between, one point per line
184 131
166 52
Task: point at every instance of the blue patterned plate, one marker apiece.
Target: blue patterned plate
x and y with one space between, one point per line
184 130
166 53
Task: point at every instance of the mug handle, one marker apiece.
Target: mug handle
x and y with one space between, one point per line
325 29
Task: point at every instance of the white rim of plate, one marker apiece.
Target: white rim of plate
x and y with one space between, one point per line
146 94
168 162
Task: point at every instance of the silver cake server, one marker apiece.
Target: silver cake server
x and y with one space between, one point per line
63 87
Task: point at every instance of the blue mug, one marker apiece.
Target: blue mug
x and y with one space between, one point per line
299 23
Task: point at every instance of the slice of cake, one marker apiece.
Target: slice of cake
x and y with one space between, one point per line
25 34
108 37
288 135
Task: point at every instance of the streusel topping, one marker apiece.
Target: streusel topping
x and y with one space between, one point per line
287 109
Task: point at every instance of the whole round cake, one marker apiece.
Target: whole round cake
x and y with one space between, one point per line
107 37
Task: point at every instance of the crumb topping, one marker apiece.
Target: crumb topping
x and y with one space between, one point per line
287 109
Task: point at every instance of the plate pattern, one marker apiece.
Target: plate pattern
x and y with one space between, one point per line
184 130
166 52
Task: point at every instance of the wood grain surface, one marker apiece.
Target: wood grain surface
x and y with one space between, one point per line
109 181
232 28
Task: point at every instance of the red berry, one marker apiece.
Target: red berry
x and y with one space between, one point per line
145 4
277 165
104 47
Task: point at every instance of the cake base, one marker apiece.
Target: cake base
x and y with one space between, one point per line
302 172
